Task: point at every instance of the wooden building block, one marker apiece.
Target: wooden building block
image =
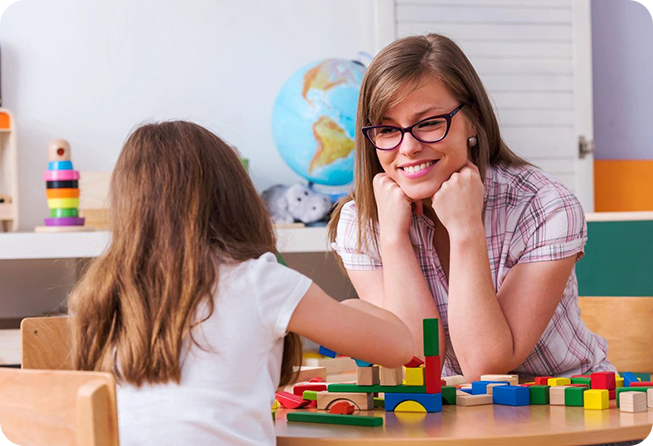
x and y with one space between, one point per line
574 396
542 380
473 400
557 382
603 380
291 401
413 376
455 380
362 401
596 399
649 392
327 418
490 387
512 379
432 374
619 381
449 395
415 362
413 402
367 376
299 388
557 395
354 388
621 390
632 402
391 377
431 337
539 395
342 408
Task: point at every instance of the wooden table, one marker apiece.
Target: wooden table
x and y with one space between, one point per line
480 425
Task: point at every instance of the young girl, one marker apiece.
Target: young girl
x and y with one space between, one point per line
188 306
447 222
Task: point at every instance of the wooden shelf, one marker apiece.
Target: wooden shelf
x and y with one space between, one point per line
29 245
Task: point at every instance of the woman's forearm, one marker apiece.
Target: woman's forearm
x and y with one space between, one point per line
480 334
405 291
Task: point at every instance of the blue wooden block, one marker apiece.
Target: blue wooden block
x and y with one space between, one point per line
60 165
511 395
361 363
467 390
326 352
432 402
629 377
480 387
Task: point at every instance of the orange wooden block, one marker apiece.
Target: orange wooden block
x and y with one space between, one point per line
62 193
342 408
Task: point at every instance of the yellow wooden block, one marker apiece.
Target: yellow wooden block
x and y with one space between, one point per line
620 381
409 406
597 399
275 405
555 382
414 376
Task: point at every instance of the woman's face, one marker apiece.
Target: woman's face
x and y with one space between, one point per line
421 168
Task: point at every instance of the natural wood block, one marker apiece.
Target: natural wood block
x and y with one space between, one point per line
557 395
473 400
632 402
491 386
455 380
367 376
362 401
391 377
649 392
512 379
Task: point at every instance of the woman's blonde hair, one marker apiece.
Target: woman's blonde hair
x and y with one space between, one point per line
181 205
404 65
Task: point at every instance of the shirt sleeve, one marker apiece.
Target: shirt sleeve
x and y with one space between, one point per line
346 244
278 291
552 227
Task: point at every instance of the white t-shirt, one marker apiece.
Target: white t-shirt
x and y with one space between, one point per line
226 392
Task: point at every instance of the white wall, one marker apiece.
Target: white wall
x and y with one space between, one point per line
90 70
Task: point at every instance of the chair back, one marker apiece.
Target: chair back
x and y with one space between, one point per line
46 343
57 408
627 324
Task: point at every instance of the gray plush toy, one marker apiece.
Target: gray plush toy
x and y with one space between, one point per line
288 204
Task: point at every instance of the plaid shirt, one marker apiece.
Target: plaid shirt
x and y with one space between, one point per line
529 217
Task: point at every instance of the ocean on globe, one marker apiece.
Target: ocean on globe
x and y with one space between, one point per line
314 120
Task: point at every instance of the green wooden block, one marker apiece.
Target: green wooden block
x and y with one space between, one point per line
630 389
379 403
449 395
431 337
574 396
586 381
353 388
328 418
539 395
642 376
310 395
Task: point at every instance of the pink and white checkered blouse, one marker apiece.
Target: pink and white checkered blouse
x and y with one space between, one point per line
529 217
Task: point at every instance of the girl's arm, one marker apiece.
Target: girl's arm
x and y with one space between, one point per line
491 332
355 328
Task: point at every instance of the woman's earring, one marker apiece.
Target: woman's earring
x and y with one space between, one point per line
472 141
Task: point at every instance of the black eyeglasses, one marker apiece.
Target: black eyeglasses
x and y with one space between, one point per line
428 130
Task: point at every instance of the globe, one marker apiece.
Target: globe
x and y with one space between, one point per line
314 120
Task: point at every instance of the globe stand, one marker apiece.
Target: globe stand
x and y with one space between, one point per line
333 192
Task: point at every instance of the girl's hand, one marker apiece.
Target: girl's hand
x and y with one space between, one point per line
459 201
393 206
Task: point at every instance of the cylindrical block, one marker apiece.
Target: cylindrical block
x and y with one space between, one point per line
66 221
60 175
63 203
62 193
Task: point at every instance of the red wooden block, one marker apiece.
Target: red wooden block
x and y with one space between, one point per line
443 382
603 380
415 362
612 394
290 401
342 408
641 384
432 374
312 404
317 379
528 384
542 380
317 387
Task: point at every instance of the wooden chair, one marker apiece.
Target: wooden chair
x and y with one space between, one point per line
46 343
57 408
627 324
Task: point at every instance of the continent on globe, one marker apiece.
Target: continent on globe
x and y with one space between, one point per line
325 76
333 143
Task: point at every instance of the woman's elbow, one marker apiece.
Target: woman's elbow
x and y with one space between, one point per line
400 350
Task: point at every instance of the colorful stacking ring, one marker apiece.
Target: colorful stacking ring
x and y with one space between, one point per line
60 165
61 213
62 193
63 203
62 184
60 175
66 221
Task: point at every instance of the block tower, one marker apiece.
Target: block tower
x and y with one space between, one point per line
62 191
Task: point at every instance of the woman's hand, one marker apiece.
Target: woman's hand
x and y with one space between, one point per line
393 206
459 201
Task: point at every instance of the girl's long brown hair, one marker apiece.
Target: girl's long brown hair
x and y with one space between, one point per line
181 204
408 62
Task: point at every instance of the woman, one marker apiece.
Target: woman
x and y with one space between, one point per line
447 222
